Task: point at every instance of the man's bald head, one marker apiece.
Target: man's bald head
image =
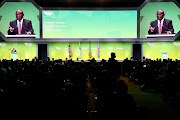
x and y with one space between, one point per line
19 14
160 14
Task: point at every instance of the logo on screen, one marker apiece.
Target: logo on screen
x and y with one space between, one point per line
3 44
28 44
176 43
48 13
151 44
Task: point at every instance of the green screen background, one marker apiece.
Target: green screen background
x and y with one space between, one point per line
153 50
59 50
89 24
8 13
28 50
148 14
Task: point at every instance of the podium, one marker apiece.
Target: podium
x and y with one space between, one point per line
21 36
164 55
160 35
14 56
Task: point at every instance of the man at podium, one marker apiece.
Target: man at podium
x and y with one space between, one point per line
20 25
13 50
14 54
161 25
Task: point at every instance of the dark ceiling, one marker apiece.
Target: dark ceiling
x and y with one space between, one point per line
89 3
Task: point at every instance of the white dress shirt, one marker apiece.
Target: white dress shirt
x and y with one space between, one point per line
161 23
21 23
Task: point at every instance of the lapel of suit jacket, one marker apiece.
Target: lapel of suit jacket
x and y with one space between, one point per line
156 25
16 27
164 25
23 24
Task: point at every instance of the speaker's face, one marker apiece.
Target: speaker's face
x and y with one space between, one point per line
160 15
19 14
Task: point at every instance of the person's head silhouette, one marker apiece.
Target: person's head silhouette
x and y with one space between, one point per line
113 55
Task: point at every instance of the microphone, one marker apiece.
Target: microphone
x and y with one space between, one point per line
172 32
155 26
27 29
165 27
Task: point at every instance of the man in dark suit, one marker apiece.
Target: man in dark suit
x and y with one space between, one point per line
161 25
20 25
13 50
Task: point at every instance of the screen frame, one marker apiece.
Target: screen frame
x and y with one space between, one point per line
41 39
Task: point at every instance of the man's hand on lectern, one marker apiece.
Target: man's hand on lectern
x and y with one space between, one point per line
11 28
151 28
168 32
28 33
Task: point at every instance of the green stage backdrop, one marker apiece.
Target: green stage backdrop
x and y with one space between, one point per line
89 24
153 50
25 50
148 14
60 50
8 13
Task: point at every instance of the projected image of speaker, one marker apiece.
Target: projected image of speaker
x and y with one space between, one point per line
159 20
21 20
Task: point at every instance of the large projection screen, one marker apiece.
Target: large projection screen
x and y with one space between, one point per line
89 23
